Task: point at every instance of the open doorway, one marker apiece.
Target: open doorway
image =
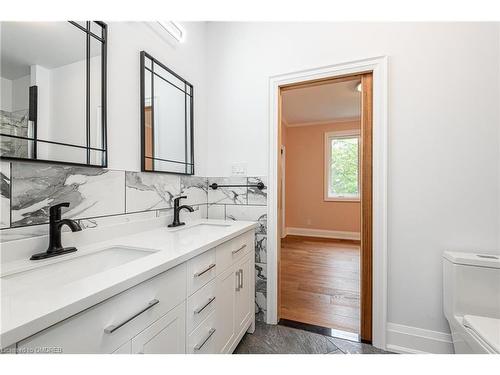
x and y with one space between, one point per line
324 206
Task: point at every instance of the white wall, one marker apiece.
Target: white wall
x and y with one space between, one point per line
15 93
126 40
68 105
443 132
5 94
169 119
498 155
20 93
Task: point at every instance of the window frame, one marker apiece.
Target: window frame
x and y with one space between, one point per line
339 134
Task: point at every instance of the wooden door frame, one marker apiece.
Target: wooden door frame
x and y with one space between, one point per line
366 79
374 226
366 254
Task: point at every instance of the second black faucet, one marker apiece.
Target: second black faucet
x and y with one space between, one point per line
177 209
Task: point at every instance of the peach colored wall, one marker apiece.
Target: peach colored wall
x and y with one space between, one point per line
305 206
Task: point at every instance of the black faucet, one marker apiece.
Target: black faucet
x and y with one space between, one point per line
177 209
55 224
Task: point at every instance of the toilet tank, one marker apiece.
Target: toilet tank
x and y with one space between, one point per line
471 284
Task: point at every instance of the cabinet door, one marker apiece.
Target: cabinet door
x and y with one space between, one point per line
225 294
165 336
124 349
243 306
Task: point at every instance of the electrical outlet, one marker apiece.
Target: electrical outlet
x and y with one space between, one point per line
239 169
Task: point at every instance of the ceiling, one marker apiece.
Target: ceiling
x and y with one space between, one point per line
321 103
48 44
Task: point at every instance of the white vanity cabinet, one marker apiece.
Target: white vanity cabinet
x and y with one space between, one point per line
226 290
235 292
107 326
244 301
204 305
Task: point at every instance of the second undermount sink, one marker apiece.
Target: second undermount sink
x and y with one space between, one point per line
200 228
75 267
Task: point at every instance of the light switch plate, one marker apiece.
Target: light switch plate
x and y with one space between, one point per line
239 169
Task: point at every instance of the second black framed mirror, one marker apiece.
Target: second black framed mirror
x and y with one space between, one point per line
166 119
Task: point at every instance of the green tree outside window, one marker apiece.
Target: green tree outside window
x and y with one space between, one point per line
344 167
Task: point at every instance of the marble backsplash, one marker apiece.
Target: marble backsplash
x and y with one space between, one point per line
102 197
91 192
95 195
4 195
14 123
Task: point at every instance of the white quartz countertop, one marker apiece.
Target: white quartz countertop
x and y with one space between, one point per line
28 307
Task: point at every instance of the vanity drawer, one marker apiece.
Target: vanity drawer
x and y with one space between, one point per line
233 250
200 270
200 305
104 327
165 336
203 340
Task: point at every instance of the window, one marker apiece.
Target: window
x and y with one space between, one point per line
342 165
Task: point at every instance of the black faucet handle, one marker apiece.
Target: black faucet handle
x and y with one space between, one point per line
55 210
176 200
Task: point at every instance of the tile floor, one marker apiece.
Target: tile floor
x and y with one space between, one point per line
278 339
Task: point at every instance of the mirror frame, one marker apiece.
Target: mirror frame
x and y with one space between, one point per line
143 56
104 43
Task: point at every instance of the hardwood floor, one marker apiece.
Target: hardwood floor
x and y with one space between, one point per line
320 282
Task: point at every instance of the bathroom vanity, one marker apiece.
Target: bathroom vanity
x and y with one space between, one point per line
158 290
134 287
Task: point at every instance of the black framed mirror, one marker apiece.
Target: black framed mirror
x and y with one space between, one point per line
166 119
53 81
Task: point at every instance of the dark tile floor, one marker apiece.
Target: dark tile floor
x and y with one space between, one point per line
278 339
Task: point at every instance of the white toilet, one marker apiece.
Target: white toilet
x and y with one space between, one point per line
471 286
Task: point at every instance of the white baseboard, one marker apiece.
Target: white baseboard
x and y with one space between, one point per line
323 233
411 340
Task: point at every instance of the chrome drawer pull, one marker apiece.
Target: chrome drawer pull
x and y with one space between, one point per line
112 328
239 249
237 273
200 345
200 309
241 278
198 274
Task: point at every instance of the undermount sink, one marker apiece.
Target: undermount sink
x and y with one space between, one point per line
76 267
200 227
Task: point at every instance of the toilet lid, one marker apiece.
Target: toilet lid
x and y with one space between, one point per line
488 329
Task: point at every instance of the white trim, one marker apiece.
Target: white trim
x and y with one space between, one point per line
413 340
338 134
323 233
402 350
378 65
323 122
